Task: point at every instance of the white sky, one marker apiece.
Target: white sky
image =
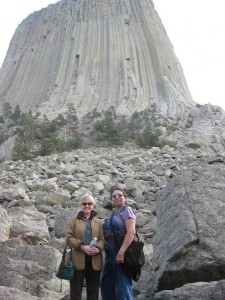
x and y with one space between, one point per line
196 29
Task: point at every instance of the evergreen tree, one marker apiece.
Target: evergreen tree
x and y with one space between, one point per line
134 126
24 144
72 121
108 130
148 138
16 114
7 110
94 114
60 121
51 144
71 115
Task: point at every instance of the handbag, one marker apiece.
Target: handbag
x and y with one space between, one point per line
66 268
134 257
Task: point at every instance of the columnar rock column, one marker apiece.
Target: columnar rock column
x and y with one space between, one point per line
94 54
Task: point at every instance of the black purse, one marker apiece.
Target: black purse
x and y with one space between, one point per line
134 257
66 268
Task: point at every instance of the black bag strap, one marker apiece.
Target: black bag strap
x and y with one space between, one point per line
64 253
67 243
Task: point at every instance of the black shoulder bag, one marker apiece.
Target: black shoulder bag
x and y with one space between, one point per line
134 257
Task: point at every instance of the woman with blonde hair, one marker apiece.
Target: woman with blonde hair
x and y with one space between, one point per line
87 259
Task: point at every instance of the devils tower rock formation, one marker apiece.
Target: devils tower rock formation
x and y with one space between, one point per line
94 54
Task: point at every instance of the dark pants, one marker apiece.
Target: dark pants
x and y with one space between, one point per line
92 278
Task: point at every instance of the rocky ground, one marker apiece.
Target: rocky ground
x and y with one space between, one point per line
38 198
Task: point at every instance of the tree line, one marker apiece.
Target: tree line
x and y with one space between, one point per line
37 135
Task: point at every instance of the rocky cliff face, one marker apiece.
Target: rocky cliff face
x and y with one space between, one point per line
95 54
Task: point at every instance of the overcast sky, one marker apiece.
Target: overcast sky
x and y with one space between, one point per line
196 29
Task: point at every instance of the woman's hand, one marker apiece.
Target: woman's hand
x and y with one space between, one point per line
120 257
94 250
90 250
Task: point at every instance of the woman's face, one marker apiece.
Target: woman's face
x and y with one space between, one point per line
87 206
118 199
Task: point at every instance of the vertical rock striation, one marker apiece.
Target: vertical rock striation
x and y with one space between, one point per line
94 54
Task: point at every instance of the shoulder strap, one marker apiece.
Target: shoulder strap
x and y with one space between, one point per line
111 225
64 253
67 241
113 230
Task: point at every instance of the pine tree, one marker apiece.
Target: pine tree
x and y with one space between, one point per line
7 110
24 144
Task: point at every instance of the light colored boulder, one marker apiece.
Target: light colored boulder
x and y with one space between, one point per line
15 193
49 185
59 196
5 225
30 223
31 269
16 294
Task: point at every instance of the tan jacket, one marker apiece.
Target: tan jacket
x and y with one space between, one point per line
75 235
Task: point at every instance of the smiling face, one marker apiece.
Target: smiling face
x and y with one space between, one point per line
118 198
87 204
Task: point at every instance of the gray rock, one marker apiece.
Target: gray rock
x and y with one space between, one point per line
16 294
62 221
190 238
29 222
5 225
62 83
35 221
30 269
59 196
214 290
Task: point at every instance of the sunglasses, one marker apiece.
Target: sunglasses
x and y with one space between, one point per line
118 195
87 203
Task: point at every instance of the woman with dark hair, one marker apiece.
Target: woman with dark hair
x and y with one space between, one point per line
87 258
116 284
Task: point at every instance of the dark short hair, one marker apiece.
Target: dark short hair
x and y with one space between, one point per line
119 189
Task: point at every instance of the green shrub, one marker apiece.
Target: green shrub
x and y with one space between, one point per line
108 130
147 139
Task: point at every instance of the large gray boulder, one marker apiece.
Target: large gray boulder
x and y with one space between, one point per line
31 269
15 294
214 290
190 239
30 223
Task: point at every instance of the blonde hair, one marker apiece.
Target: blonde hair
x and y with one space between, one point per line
84 197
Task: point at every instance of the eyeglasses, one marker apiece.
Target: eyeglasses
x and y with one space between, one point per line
118 195
87 203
